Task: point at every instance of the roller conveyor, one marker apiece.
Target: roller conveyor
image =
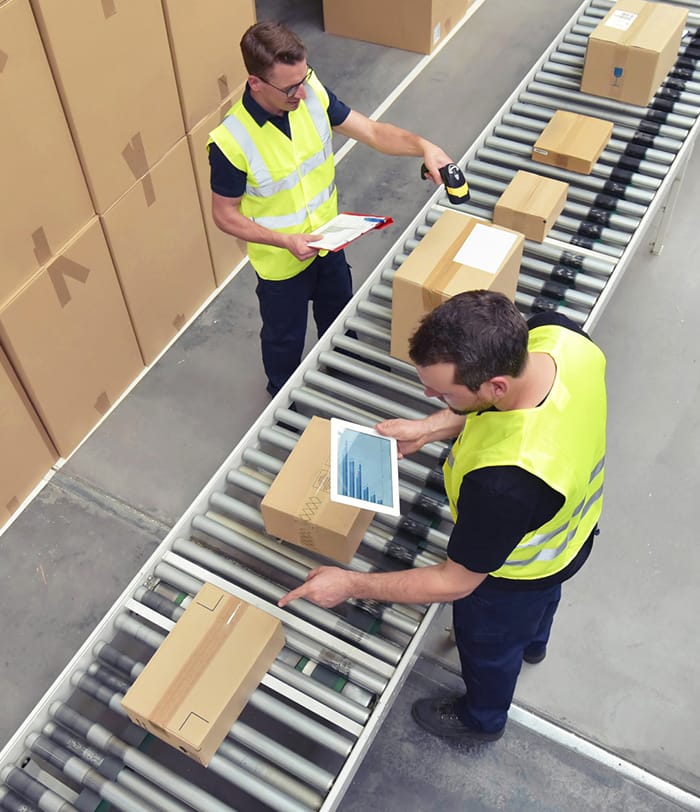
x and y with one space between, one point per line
307 726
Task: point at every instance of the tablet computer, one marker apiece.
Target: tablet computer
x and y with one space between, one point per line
364 468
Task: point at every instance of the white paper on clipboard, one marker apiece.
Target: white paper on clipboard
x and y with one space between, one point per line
364 468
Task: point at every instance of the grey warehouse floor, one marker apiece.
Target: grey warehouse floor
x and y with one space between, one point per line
625 653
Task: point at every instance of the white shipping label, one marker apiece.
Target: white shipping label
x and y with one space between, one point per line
622 20
486 248
437 33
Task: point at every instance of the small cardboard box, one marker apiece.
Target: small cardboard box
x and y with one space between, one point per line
204 40
530 204
112 65
298 507
197 683
415 25
458 253
632 49
26 449
46 199
156 236
68 335
226 251
572 141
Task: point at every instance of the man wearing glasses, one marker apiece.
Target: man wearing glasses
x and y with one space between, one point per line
273 183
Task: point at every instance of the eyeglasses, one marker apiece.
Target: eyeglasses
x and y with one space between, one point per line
291 91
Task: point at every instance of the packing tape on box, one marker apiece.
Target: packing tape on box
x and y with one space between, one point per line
230 610
436 281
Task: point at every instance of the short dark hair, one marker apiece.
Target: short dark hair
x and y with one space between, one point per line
266 43
481 332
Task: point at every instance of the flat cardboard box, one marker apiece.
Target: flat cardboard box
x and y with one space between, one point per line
156 237
112 65
67 334
432 273
632 49
197 683
204 39
227 252
530 204
415 25
27 452
572 141
46 200
298 507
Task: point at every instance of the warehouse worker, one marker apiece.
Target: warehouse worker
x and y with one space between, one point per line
273 183
524 479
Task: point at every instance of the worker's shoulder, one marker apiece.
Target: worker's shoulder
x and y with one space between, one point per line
556 319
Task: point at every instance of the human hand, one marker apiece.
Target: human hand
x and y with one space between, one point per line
324 586
433 158
298 244
410 434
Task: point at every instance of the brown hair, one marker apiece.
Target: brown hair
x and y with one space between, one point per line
266 43
481 332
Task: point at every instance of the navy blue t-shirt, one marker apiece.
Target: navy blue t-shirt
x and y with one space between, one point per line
520 502
229 181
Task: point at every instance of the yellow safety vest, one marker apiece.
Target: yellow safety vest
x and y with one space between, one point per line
561 441
290 183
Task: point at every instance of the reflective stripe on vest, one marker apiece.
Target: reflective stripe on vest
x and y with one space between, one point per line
562 442
290 185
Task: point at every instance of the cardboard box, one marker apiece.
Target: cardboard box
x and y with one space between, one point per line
226 251
415 25
458 253
204 39
112 65
46 200
530 204
632 49
27 451
298 507
572 141
197 683
67 334
156 237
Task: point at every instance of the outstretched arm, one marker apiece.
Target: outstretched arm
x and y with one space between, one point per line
412 435
329 586
392 140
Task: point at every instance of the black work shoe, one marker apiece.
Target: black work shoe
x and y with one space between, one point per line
438 717
535 654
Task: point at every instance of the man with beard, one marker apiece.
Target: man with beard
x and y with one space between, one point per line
524 478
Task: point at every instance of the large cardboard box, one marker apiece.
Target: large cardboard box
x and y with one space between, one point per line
572 141
298 507
632 49
46 200
27 452
204 39
415 25
156 236
114 72
458 253
530 204
197 683
226 251
68 335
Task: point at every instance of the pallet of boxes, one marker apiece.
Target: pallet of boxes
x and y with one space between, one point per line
107 246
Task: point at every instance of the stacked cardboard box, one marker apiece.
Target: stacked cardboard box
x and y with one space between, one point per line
415 25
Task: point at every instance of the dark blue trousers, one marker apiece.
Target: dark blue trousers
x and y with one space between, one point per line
493 627
284 308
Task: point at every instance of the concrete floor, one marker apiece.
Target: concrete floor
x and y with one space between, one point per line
625 656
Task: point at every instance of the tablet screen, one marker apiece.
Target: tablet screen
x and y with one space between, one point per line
364 468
